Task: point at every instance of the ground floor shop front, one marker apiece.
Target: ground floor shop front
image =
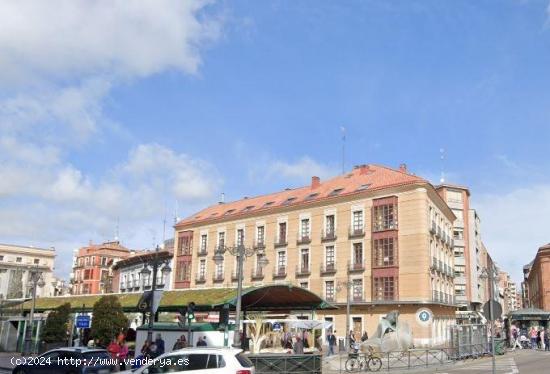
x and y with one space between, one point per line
429 323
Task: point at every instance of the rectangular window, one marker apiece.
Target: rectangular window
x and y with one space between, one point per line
458 234
329 290
304 285
240 237
330 225
358 253
282 232
357 289
104 261
184 244
454 196
459 213
219 271
204 242
305 228
305 259
385 252
202 269
221 239
87 260
385 217
260 233
329 257
36 261
281 260
358 222
385 288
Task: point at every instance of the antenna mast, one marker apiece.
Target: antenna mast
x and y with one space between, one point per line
343 130
442 157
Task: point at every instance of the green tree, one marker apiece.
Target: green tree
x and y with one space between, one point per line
108 319
55 328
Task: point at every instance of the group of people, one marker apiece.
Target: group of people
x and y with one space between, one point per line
331 340
295 343
538 337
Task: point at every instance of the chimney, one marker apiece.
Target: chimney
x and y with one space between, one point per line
363 169
403 168
222 198
315 182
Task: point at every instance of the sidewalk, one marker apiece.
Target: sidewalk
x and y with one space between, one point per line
5 360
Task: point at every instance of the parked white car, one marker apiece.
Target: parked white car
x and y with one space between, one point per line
199 361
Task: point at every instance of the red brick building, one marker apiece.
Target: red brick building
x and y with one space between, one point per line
92 267
538 280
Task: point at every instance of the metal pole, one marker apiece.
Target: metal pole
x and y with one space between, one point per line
236 333
492 322
28 329
153 288
348 312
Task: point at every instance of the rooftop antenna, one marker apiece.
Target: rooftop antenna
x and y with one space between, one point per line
116 229
176 213
442 157
343 131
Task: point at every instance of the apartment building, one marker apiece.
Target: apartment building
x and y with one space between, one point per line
92 272
128 275
384 232
469 250
538 280
16 263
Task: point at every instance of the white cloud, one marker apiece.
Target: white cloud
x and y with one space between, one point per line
59 60
74 38
515 225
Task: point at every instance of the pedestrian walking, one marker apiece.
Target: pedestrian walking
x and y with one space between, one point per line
351 339
533 336
331 339
298 346
515 339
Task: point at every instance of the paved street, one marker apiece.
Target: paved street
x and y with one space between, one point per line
525 361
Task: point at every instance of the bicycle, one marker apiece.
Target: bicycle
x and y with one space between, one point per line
368 362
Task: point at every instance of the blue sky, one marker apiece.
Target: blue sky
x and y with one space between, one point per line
106 118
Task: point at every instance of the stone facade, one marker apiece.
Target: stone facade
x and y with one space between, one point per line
538 280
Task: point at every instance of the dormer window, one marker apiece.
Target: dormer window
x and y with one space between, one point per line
229 212
336 192
248 208
363 187
311 196
289 200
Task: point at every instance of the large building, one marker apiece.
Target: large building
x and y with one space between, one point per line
470 254
538 280
92 272
16 263
385 232
508 290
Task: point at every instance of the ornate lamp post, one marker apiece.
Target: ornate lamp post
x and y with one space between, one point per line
241 252
145 273
35 280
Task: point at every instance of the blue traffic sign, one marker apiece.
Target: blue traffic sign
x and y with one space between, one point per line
83 322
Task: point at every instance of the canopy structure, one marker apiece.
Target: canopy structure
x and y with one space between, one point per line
273 297
529 314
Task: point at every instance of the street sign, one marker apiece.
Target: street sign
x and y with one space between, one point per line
424 316
83 322
149 300
276 326
497 310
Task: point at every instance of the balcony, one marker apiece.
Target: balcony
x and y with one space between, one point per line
303 271
330 298
200 278
327 269
217 278
435 296
279 272
356 232
434 263
202 252
440 268
438 232
328 235
303 239
356 267
433 228
259 244
280 241
357 298
257 274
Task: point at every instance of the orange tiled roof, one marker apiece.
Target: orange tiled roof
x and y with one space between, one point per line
362 178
